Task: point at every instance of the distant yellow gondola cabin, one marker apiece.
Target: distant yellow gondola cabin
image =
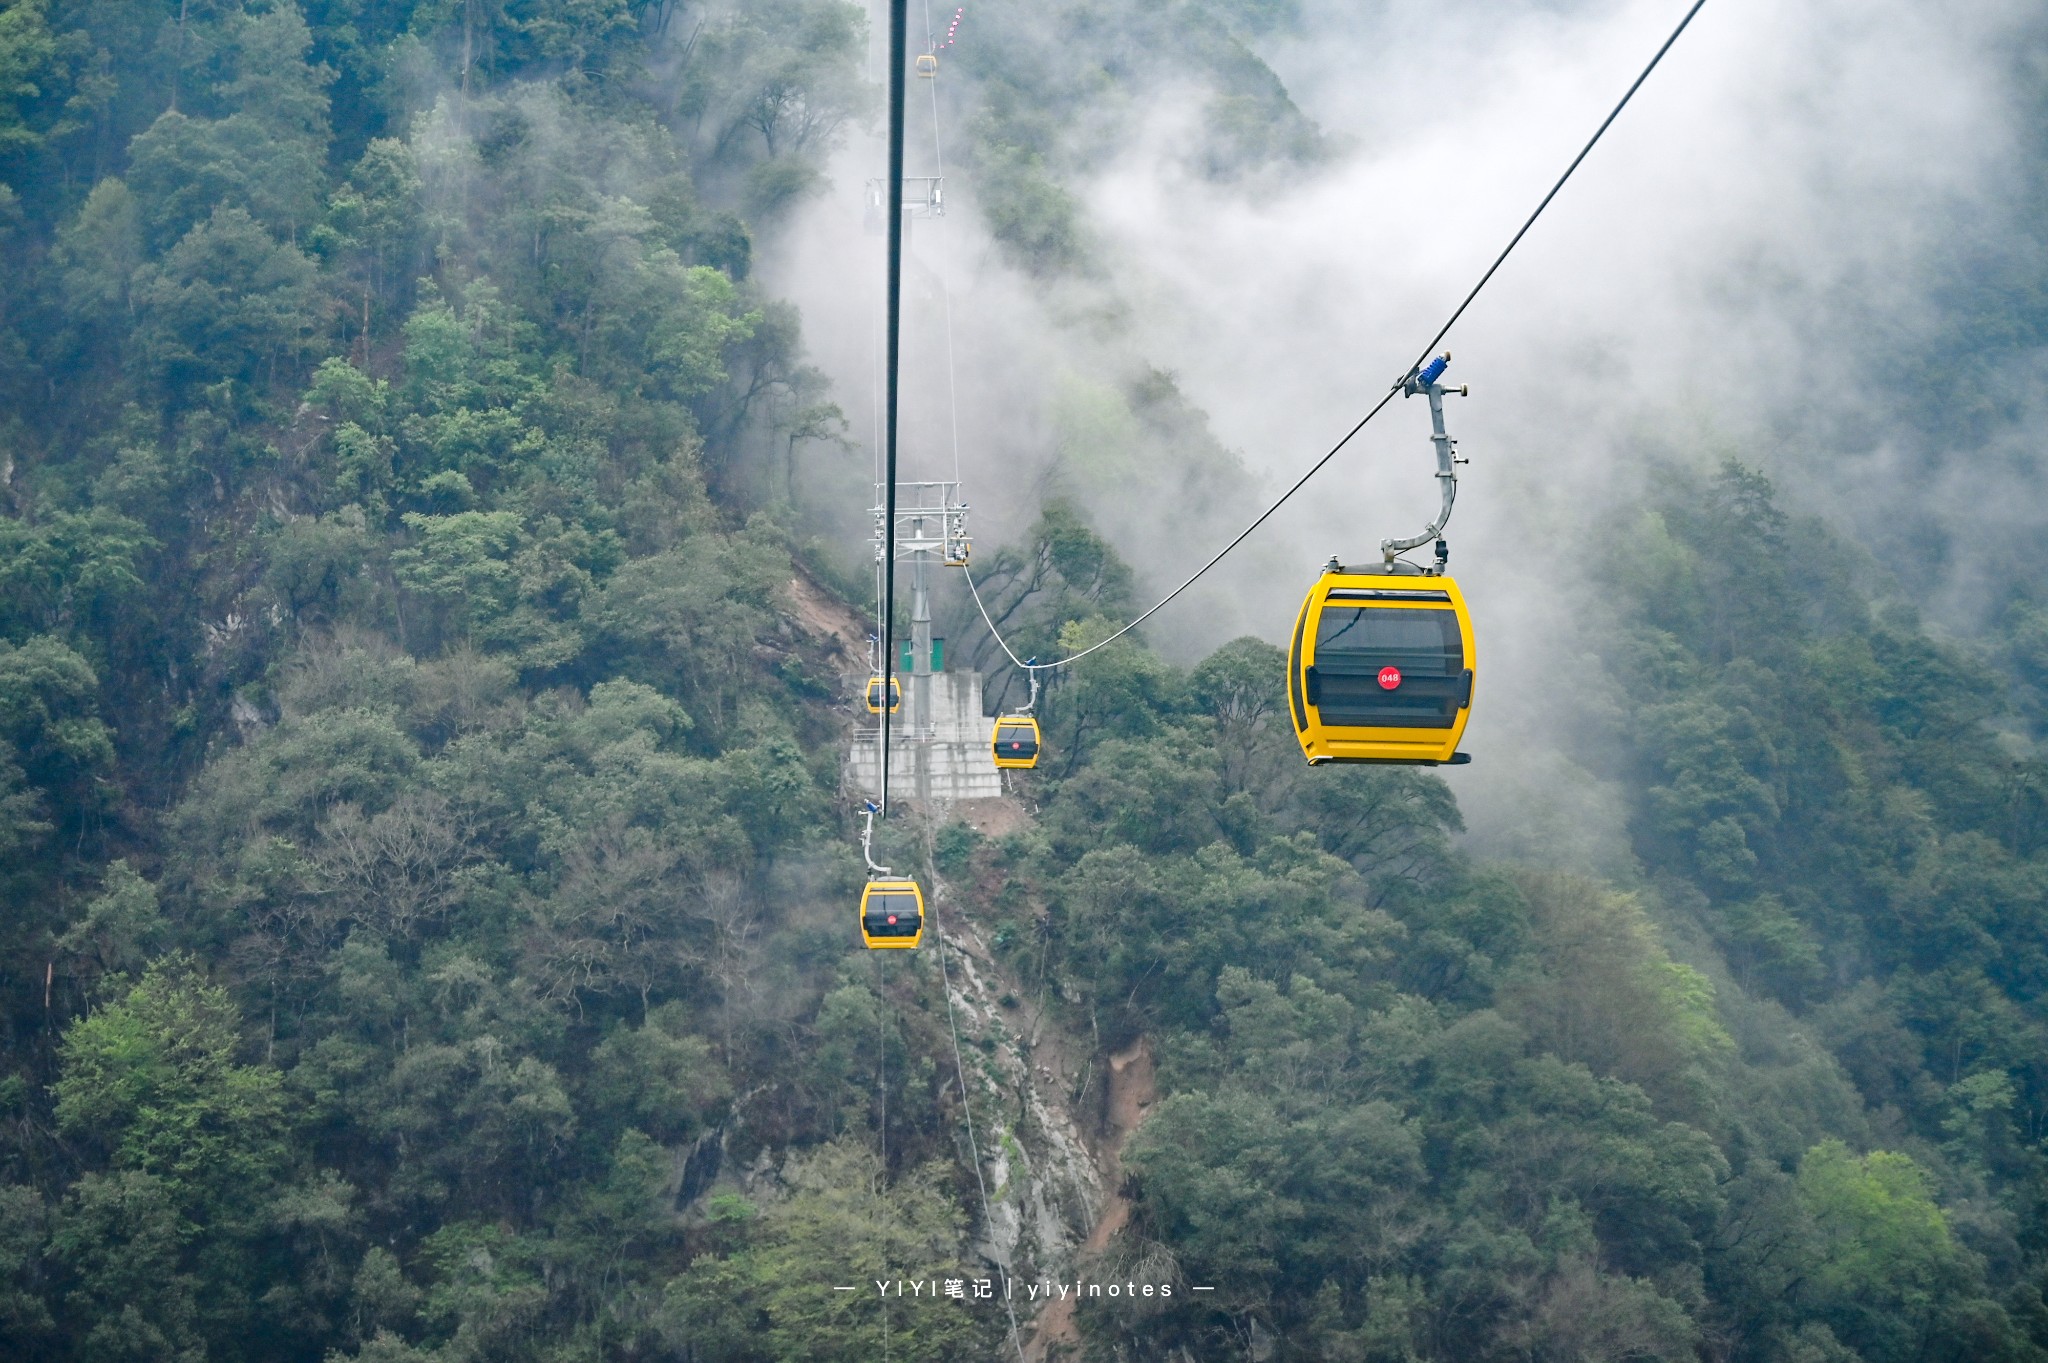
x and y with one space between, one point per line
874 695
891 914
1016 742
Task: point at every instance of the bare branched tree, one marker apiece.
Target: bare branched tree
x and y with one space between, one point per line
395 870
735 919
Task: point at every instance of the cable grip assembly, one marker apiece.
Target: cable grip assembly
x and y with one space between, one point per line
1427 382
1031 671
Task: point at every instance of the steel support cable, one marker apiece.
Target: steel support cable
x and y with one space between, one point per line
994 633
882 1087
875 403
931 39
938 929
882 1060
899 58
1390 394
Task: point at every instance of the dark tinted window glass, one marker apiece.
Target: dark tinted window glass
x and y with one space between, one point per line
1385 629
1016 737
880 906
1356 645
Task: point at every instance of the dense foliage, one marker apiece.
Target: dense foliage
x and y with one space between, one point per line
1778 1100
423 871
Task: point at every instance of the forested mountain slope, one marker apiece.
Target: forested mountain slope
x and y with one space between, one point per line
425 881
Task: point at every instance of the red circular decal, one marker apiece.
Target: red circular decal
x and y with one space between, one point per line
1390 677
892 920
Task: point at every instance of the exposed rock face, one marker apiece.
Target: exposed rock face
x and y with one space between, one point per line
1045 1188
1049 1131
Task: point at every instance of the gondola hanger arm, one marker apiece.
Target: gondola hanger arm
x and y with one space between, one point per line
867 842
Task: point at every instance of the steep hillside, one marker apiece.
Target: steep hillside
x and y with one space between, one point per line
426 880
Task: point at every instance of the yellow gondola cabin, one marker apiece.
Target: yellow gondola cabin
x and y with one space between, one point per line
1381 668
875 695
891 914
1016 742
